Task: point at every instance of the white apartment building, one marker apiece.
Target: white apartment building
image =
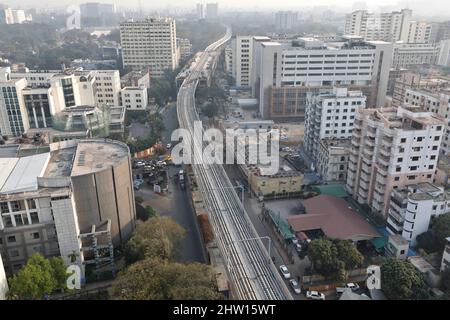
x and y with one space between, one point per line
437 101
411 209
200 11
56 203
134 98
13 16
385 26
285 20
446 255
242 47
284 72
421 32
149 43
108 87
391 148
444 53
407 54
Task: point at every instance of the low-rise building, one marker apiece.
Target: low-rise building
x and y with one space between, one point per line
137 78
411 209
134 98
397 247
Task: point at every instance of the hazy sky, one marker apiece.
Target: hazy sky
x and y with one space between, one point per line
420 7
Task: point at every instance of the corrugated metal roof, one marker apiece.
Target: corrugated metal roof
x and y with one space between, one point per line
22 177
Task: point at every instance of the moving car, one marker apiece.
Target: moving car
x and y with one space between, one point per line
315 295
295 286
285 272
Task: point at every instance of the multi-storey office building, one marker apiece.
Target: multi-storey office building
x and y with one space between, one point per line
53 202
242 56
284 72
184 47
391 148
385 26
149 43
411 209
407 54
437 101
331 116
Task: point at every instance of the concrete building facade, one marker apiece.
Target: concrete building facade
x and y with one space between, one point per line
134 98
51 202
391 148
407 54
149 43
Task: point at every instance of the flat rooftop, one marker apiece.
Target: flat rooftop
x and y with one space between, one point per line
95 155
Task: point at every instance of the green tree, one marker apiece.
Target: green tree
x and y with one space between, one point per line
349 254
441 229
210 109
323 255
38 277
427 241
158 279
401 281
156 237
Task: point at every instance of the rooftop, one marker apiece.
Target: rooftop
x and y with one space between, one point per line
335 217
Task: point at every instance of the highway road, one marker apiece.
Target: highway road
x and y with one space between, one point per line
249 267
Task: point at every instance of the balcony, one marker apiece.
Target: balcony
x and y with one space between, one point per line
370 142
394 226
383 161
385 151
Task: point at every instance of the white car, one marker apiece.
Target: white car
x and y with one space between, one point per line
284 270
353 286
315 295
168 146
295 286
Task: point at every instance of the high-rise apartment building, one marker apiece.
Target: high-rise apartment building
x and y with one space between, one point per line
385 26
328 128
436 101
331 116
242 57
212 11
421 32
200 11
285 20
61 203
391 148
149 43
284 72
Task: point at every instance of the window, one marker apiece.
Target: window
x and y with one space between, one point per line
400 160
396 178
402 140
35 235
12 239
436 138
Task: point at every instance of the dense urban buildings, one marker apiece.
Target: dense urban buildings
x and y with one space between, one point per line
53 202
392 148
408 54
284 72
149 43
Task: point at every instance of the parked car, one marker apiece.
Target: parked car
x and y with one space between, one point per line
295 286
350 285
168 146
285 271
298 247
294 240
315 295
